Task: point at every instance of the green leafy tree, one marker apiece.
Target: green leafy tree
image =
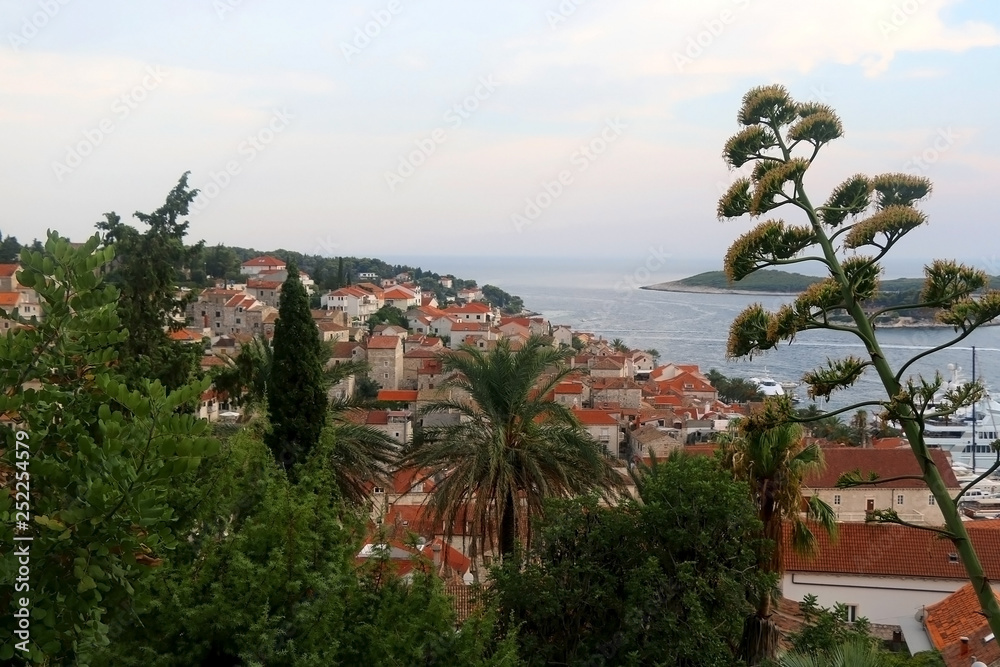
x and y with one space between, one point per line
653 352
296 389
387 315
774 463
222 262
663 581
848 235
512 446
267 577
98 465
146 271
10 249
733 390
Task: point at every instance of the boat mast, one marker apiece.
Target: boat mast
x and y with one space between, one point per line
974 424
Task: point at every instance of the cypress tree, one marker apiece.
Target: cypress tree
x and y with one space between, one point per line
296 392
340 273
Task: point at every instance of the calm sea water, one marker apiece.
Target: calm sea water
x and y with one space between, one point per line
603 297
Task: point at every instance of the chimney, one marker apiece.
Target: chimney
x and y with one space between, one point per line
436 548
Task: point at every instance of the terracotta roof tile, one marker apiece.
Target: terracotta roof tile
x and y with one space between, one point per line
595 418
885 462
397 395
383 343
264 260
9 298
895 551
7 270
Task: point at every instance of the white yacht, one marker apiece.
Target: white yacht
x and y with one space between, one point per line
767 386
968 434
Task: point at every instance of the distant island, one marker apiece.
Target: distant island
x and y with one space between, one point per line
785 283
766 281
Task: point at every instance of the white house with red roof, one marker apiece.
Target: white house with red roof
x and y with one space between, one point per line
470 294
472 312
254 266
604 427
401 298
887 573
356 302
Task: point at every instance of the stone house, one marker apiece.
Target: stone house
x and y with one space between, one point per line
385 356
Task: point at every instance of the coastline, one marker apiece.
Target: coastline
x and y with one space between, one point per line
694 289
904 323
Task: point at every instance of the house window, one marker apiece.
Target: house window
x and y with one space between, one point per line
397 434
931 500
385 375
899 500
237 320
836 500
218 313
952 558
385 363
852 612
379 489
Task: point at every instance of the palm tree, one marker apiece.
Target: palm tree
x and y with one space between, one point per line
618 345
511 446
359 454
774 463
245 376
857 653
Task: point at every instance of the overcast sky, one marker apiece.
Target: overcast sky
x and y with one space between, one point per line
434 127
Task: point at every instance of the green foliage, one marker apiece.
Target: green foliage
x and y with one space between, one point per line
10 249
267 577
733 390
296 390
873 213
388 315
664 581
823 629
103 458
508 444
512 305
146 271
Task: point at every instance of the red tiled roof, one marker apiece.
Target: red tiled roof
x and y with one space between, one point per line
954 617
595 418
569 388
377 417
343 350
383 342
399 293
264 284
7 270
894 551
264 260
209 361
397 395
886 462
330 326
473 307
890 443
184 335
10 298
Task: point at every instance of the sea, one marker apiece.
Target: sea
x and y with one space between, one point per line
604 297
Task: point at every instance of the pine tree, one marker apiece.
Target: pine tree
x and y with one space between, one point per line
296 393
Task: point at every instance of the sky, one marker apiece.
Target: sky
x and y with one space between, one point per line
549 128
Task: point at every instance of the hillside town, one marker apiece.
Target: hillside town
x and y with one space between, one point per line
636 407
